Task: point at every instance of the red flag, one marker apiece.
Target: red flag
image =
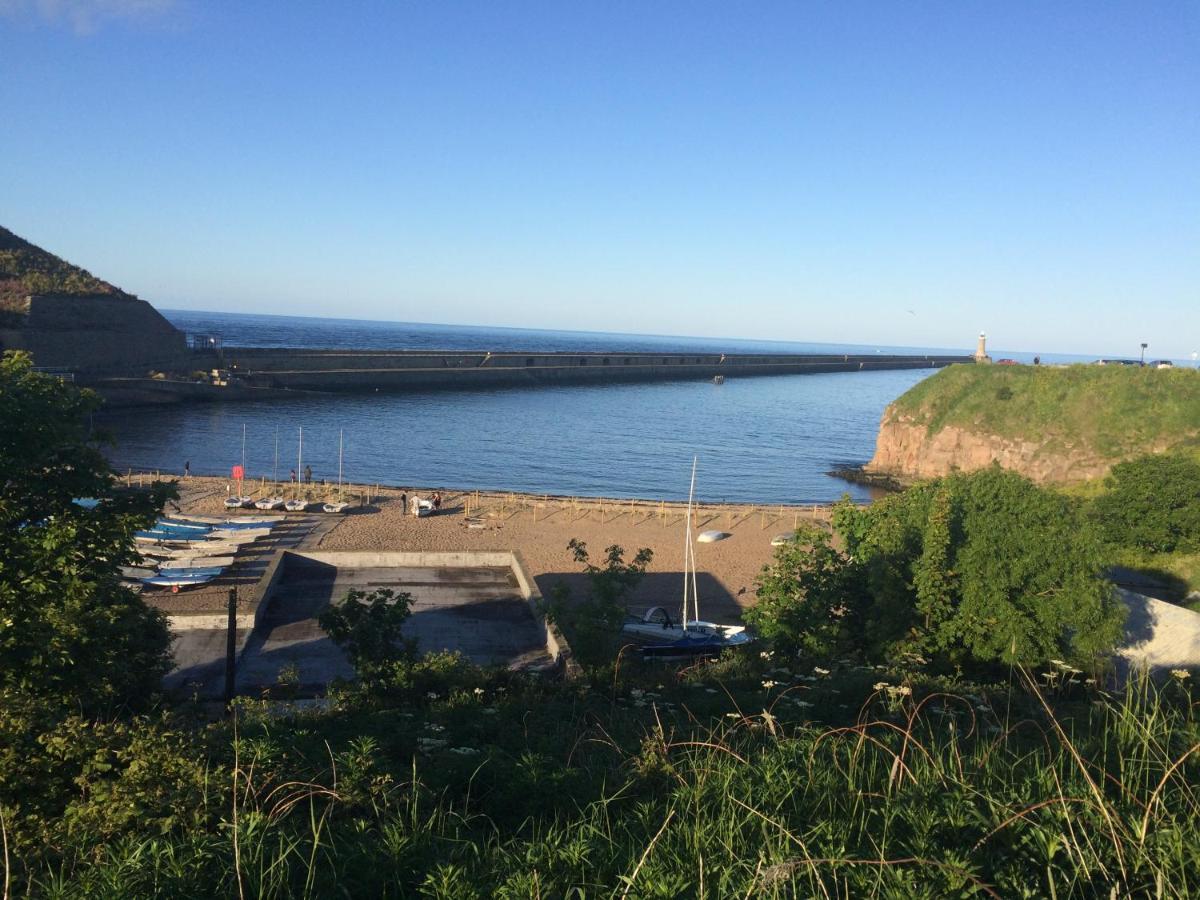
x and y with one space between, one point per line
238 473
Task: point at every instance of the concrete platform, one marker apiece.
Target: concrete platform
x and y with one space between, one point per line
482 605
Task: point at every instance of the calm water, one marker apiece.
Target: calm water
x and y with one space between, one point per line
766 440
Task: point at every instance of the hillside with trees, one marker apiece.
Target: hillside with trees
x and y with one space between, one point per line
28 269
1052 424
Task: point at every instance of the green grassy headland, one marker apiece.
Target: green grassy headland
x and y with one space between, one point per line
1113 412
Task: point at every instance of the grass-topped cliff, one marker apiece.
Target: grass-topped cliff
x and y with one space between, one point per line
28 269
1055 424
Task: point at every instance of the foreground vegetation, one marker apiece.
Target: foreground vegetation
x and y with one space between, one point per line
929 714
748 777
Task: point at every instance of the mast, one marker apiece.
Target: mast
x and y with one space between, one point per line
339 465
241 490
688 560
275 471
299 461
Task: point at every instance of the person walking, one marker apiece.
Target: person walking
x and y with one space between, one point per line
403 504
187 469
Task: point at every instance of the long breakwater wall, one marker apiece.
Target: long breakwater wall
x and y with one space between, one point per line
391 370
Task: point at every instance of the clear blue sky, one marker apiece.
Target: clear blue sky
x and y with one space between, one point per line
900 173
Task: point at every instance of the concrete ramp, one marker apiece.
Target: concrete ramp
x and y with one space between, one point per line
1159 636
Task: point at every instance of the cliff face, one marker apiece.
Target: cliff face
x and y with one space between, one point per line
909 452
1052 425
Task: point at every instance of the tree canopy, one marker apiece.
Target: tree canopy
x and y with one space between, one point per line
70 632
1152 503
972 568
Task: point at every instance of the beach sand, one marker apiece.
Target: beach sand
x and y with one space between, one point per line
539 528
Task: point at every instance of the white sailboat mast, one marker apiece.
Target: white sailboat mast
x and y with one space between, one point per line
340 432
689 565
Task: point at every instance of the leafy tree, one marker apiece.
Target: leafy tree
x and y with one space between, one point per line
1152 503
367 626
977 568
595 620
71 634
811 598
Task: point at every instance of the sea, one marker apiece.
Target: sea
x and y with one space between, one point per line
760 440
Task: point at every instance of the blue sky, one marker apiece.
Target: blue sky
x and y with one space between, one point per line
876 173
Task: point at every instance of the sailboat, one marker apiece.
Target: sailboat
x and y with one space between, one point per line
296 504
340 506
240 500
273 502
689 635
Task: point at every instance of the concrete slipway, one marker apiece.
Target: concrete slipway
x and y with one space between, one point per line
482 604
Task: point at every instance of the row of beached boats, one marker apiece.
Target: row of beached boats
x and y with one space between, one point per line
295 503
193 550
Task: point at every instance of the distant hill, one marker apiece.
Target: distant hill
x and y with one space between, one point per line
28 269
1054 424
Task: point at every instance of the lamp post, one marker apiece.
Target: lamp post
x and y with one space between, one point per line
1144 346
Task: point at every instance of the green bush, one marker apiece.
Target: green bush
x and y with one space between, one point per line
1152 503
974 568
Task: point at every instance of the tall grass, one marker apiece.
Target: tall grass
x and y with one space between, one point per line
1044 792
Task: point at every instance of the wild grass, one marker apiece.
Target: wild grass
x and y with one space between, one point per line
750 778
1111 412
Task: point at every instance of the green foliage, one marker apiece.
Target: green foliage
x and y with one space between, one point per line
593 622
1152 503
71 635
1100 412
896 785
367 626
811 599
971 569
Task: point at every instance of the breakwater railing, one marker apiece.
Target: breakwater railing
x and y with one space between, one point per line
369 370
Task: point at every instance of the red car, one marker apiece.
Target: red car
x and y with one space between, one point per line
1007 362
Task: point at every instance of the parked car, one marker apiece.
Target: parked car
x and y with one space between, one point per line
1007 362
1161 364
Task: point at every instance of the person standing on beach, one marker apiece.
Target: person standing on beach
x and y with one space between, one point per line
308 474
404 504
187 468
293 476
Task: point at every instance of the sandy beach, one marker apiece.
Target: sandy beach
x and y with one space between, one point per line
540 527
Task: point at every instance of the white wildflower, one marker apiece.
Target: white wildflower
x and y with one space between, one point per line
817 670
880 686
1181 674
768 684
767 654
478 692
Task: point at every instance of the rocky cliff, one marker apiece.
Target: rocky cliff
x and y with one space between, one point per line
1054 425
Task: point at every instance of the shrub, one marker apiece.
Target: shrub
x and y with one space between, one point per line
1152 503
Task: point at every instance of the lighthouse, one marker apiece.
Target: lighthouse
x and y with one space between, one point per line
981 350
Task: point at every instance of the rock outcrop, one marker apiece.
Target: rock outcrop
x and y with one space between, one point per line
908 451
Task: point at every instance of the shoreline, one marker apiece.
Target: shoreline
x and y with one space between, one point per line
539 527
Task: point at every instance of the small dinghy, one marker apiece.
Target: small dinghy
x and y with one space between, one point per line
190 571
421 508
688 636
239 502
339 506
269 503
176 582
296 505
336 508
